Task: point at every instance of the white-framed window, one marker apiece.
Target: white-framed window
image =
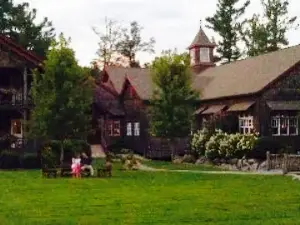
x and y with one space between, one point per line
246 124
136 129
114 128
129 129
204 55
284 125
193 56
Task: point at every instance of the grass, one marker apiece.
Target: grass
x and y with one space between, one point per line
135 197
182 166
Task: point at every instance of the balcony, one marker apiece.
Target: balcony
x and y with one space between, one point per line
12 97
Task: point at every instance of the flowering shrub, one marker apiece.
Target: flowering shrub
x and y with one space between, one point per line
212 147
223 145
199 140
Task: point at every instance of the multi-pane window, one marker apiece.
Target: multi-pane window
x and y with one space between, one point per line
129 129
114 128
284 125
136 129
16 127
133 128
246 124
204 55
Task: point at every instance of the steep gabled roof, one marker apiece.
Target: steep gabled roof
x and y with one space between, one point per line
139 78
20 51
201 40
247 76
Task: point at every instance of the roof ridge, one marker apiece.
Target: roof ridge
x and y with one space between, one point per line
253 57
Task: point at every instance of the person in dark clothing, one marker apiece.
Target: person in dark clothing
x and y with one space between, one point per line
86 163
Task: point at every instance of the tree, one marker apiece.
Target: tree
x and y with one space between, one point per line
225 22
173 98
108 52
18 23
131 43
267 33
62 96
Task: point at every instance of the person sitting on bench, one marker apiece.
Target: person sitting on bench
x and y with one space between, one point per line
86 163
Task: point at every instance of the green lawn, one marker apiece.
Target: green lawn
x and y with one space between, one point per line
148 198
182 166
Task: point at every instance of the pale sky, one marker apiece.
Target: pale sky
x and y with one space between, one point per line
173 23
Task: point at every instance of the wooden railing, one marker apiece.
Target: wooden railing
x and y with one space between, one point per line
286 162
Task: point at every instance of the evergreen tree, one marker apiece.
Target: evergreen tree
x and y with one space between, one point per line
267 33
62 96
18 23
171 104
225 22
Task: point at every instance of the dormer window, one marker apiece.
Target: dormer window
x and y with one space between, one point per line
204 55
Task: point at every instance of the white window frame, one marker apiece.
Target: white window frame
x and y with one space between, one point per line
129 129
136 129
193 56
278 121
204 55
246 125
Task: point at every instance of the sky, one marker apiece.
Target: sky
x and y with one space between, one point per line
172 23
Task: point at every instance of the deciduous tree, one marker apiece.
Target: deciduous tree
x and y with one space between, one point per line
62 96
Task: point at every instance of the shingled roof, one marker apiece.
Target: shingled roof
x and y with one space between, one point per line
20 51
201 40
242 77
139 78
247 76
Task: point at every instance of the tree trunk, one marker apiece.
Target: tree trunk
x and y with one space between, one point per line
61 154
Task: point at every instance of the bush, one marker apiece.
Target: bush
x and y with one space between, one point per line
49 158
199 141
9 159
213 145
30 161
246 144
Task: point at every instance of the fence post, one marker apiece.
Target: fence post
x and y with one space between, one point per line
285 163
268 161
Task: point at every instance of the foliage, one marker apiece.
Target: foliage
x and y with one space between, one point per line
9 159
223 145
131 43
49 158
171 109
267 33
225 22
199 140
62 96
213 145
108 52
18 22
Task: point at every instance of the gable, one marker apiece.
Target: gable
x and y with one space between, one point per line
129 91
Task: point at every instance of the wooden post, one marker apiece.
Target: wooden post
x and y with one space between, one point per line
268 161
285 164
24 100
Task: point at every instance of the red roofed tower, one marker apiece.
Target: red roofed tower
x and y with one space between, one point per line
201 52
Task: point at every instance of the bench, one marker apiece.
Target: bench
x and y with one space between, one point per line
106 171
49 172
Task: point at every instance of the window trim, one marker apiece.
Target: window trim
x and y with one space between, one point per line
129 128
207 54
278 119
114 128
136 128
12 128
244 127
133 127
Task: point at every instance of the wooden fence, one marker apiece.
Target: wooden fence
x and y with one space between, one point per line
161 148
286 162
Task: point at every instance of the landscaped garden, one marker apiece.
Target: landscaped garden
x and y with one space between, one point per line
136 197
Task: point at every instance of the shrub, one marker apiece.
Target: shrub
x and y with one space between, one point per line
246 144
30 161
213 145
9 159
49 158
199 141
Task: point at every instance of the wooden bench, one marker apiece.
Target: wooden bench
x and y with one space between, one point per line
49 172
106 171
